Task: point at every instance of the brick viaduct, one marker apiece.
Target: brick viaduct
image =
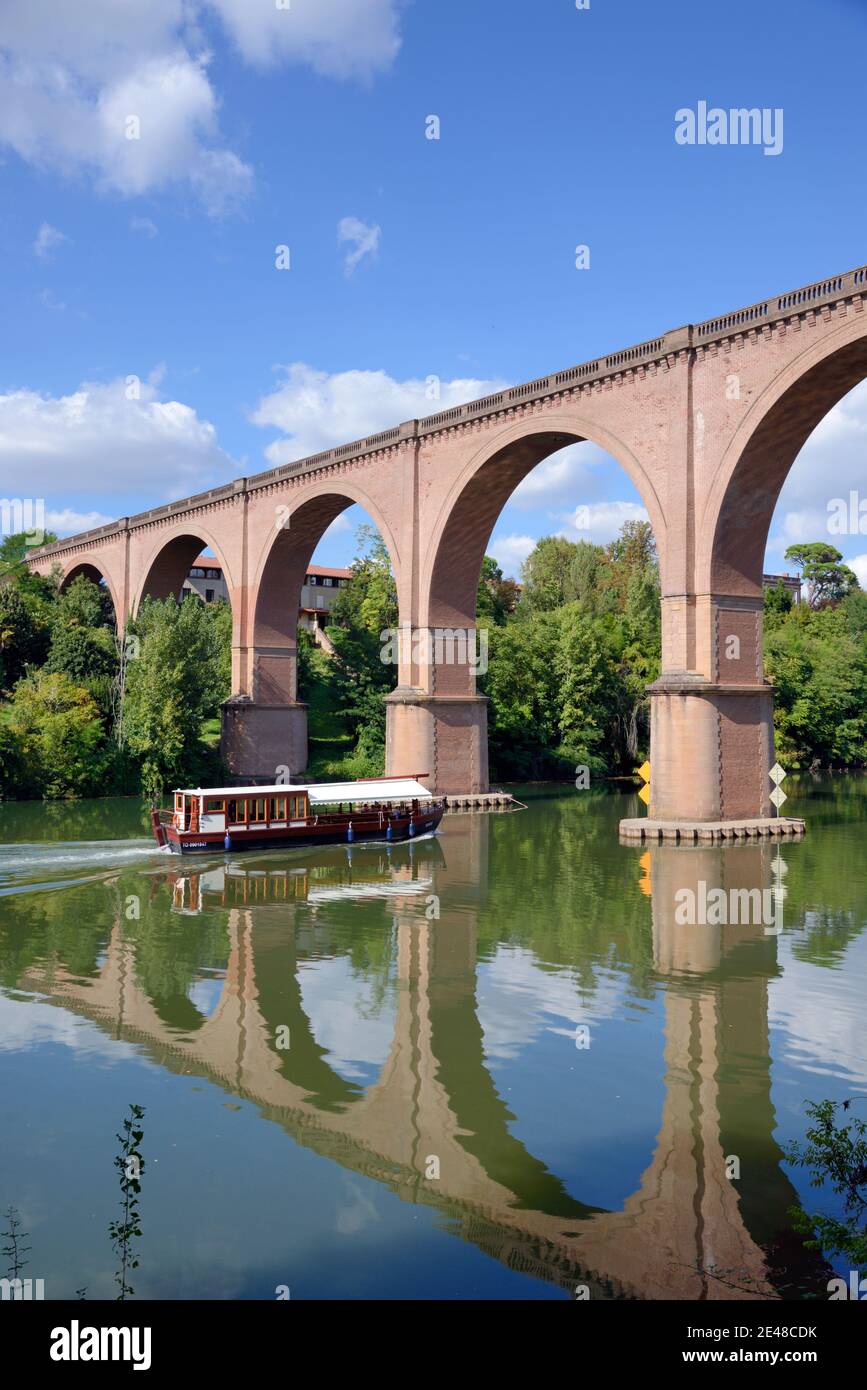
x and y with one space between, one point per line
706 420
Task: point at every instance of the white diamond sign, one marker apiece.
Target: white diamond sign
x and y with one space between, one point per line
777 774
778 796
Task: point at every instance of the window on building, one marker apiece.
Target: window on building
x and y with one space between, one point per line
196 573
215 574
327 581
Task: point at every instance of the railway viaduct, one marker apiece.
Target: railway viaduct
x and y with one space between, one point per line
706 420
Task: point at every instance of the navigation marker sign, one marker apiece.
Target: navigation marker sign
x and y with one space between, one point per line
644 774
778 796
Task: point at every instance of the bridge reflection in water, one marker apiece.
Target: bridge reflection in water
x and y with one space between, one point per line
689 1231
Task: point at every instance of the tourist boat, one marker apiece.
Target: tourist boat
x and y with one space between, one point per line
205 820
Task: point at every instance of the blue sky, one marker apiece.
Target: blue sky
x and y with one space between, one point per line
154 257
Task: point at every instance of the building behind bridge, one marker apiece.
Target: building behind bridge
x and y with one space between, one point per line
318 592
792 582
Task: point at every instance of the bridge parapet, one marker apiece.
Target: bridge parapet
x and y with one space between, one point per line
823 294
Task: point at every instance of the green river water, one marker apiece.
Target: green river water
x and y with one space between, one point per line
491 1064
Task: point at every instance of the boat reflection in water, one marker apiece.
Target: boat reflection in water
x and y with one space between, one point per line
338 874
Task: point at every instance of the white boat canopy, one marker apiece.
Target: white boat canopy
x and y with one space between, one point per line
374 791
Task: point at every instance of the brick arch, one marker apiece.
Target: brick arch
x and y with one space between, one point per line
452 564
733 530
286 554
97 574
169 560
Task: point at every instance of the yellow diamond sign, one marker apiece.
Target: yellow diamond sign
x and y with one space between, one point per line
644 773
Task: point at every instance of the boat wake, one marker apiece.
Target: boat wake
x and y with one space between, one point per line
35 866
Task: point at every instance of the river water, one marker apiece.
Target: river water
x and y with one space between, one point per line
496 1063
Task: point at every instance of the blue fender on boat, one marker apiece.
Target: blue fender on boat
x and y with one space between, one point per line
411 826
350 834
389 834
227 842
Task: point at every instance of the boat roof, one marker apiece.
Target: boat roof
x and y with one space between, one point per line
325 793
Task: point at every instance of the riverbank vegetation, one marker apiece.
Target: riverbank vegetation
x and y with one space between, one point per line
564 661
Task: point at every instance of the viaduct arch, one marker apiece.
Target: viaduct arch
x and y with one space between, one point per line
706 419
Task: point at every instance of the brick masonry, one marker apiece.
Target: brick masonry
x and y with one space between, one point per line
706 420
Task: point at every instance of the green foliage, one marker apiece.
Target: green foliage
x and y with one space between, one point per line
176 681
827 578
58 738
23 637
497 597
836 1154
130 1165
778 603
356 679
819 665
14 548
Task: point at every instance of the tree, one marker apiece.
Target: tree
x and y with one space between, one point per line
82 635
365 609
497 597
819 666
521 686
369 601
828 579
60 736
14 549
23 640
174 683
778 602
837 1154
546 575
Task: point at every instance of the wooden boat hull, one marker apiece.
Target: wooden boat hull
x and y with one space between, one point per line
332 831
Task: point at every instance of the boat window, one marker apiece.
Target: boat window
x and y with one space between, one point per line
215 806
281 808
259 808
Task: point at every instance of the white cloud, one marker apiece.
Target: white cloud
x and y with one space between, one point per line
364 240
568 472
858 563
318 410
510 552
337 38
48 238
830 465
67 522
73 76
600 522
145 226
96 440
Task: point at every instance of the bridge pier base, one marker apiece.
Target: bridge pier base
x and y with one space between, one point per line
445 736
263 743
711 749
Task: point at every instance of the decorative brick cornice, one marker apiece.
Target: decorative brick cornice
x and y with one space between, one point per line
787 312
